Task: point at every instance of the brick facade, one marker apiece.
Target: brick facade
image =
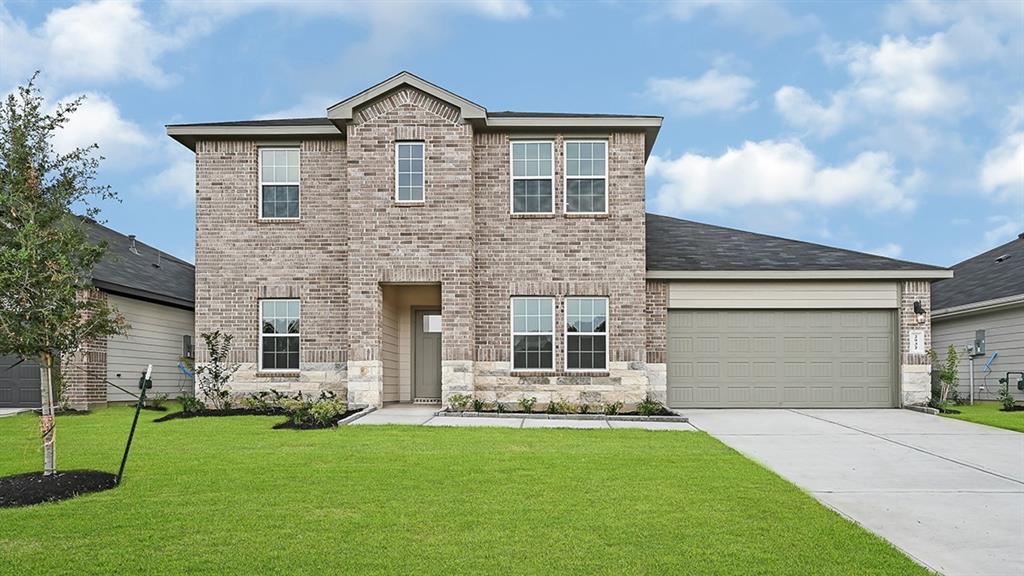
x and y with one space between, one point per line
915 369
84 372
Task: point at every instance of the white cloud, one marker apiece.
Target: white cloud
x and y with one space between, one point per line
890 250
176 182
97 42
774 173
98 121
1002 229
764 19
1002 171
801 111
712 92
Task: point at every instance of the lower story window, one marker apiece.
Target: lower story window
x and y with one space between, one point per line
279 334
586 334
533 337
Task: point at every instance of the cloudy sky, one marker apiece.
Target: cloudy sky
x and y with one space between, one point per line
895 128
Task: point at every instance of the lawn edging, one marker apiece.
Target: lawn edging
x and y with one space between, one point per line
922 409
352 418
544 416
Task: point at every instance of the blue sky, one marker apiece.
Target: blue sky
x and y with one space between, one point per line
895 128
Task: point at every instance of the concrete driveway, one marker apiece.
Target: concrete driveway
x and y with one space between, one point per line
948 493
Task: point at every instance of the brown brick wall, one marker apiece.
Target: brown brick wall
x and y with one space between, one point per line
240 259
657 321
910 292
560 255
84 371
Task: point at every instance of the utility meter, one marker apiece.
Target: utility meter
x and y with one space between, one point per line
979 343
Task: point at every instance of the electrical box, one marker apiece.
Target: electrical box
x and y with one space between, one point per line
979 343
187 349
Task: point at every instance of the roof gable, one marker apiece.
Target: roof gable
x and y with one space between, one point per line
344 110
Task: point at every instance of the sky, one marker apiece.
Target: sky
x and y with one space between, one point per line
895 128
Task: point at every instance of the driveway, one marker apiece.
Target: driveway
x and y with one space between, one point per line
948 493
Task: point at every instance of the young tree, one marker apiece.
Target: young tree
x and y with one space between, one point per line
46 258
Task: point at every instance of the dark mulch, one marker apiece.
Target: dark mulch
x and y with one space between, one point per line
155 408
217 413
289 425
1016 408
35 488
663 412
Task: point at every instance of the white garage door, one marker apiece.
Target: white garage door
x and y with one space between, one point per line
781 358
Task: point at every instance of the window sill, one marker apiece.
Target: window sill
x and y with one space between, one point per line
278 220
593 216
289 375
531 216
408 204
557 374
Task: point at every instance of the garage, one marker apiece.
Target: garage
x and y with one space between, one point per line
19 383
781 358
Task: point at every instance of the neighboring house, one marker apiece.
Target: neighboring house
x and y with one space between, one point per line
411 245
155 292
987 293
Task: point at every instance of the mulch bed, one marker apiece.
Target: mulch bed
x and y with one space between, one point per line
289 425
35 488
663 412
155 408
218 413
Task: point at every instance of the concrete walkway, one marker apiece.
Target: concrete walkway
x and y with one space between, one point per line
948 493
423 415
11 411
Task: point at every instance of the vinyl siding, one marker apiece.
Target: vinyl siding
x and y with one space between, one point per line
154 338
389 343
803 294
1004 333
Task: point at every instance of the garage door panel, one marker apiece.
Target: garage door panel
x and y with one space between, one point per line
19 383
781 358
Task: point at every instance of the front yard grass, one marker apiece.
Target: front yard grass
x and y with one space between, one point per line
233 496
990 414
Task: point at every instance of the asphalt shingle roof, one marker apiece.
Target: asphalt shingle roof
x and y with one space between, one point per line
675 244
998 273
150 274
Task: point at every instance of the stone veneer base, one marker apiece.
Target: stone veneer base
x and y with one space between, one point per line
542 416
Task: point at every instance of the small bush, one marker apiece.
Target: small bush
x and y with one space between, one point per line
561 406
259 402
479 405
584 408
499 407
1005 396
157 401
190 403
527 403
649 407
612 408
459 402
324 411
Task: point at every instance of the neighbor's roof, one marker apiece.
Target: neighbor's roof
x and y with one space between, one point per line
685 249
149 275
333 124
993 275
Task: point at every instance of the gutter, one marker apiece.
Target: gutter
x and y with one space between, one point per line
799 274
146 295
978 307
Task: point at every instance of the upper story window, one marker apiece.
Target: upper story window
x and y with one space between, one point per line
409 172
533 190
533 333
586 334
279 335
279 182
586 177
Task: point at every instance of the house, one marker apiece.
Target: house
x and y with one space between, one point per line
410 245
154 291
987 293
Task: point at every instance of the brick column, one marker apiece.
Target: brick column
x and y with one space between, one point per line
656 339
915 370
84 371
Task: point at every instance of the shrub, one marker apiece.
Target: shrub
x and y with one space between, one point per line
479 405
561 406
584 408
499 407
527 403
324 411
649 407
259 402
190 403
947 375
212 377
459 402
157 400
298 409
1005 396
612 408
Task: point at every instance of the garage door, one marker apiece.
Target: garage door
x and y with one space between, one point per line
19 383
781 358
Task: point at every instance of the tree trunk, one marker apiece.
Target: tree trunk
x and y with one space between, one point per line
47 423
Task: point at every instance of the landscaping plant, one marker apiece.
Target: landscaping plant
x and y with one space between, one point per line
48 307
1005 396
612 408
212 377
947 374
459 402
190 403
479 405
561 406
527 403
649 407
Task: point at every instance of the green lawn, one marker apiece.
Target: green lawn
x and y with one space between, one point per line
989 413
232 496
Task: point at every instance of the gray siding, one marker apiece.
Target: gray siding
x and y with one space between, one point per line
781 294
154 338
1004 333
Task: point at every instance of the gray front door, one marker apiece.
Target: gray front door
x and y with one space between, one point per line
781 358
426 350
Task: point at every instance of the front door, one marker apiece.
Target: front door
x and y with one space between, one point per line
426 350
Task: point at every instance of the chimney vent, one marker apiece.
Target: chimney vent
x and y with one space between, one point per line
132 248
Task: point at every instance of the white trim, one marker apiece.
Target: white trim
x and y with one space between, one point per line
566 177
574 122
798 274
978 307
344 110
512 177
259 336
607 329
423 160
513 334
298 183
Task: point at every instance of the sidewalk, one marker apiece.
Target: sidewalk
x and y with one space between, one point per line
423 415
